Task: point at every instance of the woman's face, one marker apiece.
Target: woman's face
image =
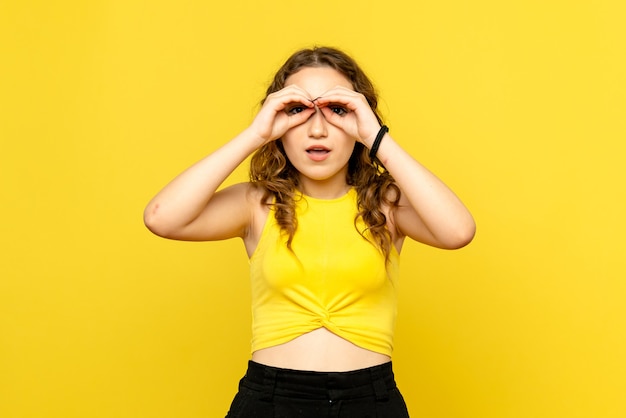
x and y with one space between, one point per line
317 149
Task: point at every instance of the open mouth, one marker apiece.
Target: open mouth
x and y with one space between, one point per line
318 150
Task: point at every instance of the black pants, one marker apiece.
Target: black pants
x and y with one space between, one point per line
270 392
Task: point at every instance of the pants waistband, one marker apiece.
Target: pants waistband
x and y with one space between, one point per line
372 381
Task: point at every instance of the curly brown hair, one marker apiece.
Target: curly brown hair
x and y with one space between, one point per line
271 170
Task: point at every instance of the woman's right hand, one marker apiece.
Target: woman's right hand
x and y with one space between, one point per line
281 111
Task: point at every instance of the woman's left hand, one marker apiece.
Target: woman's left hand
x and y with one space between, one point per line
349 111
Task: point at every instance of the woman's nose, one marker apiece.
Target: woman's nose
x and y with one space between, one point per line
317 124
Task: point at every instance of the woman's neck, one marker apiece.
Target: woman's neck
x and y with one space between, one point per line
324 189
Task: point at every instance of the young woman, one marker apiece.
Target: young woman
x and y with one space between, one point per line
330 200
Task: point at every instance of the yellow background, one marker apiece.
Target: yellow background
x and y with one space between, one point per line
519 105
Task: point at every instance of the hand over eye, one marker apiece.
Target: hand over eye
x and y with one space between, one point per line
280 112
349 111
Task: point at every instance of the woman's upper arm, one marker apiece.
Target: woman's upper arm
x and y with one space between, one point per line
227 215
408 223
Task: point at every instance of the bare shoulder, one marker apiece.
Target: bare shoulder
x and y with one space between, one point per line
242 196
254 192
253 196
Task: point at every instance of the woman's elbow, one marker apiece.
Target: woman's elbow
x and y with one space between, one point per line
462 236
155 223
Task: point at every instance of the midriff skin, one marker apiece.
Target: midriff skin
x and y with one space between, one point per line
319 350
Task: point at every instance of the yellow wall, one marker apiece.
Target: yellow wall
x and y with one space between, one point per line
519 105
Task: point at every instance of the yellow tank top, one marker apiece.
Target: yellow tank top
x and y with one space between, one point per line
334 278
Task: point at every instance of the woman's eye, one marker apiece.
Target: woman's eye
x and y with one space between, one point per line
292 110
340 110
